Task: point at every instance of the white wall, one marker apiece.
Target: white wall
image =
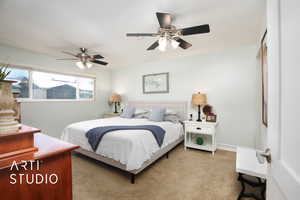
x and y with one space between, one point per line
52 117
261 137
230 79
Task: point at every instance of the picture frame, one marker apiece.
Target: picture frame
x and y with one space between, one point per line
156 83
211 117
264 68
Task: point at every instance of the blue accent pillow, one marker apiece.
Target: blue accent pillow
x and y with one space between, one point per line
128 112
157 114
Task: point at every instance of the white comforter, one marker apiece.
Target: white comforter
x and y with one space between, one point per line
130 147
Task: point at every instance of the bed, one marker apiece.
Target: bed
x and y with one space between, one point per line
129 150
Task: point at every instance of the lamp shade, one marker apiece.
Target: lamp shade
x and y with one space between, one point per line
115 98
199 99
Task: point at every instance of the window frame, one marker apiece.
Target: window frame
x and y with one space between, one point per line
30 83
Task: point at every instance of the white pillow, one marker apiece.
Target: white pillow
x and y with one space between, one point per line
170 112
142 116
157 114
128 112
172 118
139 111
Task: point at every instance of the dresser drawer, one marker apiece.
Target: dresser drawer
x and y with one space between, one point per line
199 129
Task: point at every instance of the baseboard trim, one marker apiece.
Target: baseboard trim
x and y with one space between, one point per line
226 147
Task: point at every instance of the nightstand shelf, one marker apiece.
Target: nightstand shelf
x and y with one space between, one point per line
205 130
205 147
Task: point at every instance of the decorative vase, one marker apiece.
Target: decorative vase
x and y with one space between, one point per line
199 141
8 123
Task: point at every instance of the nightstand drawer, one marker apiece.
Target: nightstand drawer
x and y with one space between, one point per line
199 129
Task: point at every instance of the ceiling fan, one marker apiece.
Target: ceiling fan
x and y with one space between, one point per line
84 60
169 33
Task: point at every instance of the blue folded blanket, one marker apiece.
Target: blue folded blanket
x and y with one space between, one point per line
95 135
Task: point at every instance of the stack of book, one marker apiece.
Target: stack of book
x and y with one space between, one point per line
8 123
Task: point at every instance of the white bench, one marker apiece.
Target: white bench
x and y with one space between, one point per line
247 164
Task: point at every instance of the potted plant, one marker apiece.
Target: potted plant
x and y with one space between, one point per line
4 84
7 101
4 71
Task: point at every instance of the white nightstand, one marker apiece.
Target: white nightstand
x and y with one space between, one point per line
109 115
205 130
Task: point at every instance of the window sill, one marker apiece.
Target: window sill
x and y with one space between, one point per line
54 100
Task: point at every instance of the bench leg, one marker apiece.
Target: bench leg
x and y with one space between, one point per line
252 184
132 178
263 193
240 178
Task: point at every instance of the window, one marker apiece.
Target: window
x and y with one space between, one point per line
57 86
53 86
22 84
38 85
86 88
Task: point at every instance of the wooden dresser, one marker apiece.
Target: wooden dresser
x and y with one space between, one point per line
51 159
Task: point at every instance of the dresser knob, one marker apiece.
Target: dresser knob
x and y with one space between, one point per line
198 128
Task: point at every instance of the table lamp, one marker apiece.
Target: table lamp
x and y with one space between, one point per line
115 98
199 99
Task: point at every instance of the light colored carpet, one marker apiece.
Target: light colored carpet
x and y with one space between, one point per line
186 175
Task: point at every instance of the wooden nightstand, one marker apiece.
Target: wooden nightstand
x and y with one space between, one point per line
205 130
109 115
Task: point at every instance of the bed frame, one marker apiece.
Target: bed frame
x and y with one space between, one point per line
180 107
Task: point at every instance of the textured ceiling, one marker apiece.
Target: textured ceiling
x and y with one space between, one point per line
50 27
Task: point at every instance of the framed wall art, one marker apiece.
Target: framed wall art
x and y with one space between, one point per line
156 83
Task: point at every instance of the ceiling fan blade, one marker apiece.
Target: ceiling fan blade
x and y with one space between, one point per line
99 62
71 54
98 56
67 59
164 19
142 34
196 30
183 44
153 46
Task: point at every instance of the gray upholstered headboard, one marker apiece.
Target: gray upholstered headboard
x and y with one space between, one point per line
179 106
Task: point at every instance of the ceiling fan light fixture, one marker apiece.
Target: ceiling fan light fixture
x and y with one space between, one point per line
80 65
85 60
174 43
162 48
89 65
167 32
162 43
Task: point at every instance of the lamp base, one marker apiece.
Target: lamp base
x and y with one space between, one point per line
199 114
116 110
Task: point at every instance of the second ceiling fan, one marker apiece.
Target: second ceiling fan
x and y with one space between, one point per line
84 60
169 33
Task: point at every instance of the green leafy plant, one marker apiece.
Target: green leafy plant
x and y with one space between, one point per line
4 72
